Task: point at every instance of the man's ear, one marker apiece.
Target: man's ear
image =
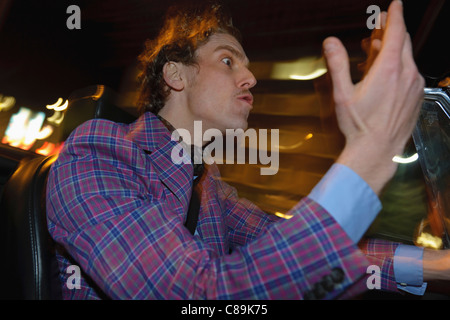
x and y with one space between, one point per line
172 74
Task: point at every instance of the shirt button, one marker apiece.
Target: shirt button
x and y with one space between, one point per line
309 296
337 275
327 283
319 291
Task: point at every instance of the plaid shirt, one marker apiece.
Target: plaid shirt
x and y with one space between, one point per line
116 204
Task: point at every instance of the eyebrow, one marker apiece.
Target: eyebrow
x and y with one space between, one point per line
235 52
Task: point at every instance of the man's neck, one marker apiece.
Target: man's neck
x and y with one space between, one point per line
195 152
182 122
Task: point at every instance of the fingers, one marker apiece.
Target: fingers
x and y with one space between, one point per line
395 32
372 45
410 68
372 51
383 19
407 53
377 33
339 69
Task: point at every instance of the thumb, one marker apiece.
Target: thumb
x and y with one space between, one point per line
339 69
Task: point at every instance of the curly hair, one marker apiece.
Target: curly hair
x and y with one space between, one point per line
186 28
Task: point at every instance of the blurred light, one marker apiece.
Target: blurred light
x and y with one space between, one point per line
6 103
58 105
99 92
400 159
56 118
23 128
33 128
427 240
45 132
283 215
306 68
309 76
47 149
296 145
14 132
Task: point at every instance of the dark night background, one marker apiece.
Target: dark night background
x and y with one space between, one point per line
41 59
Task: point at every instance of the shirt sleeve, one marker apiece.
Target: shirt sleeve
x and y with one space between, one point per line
408 269
344 194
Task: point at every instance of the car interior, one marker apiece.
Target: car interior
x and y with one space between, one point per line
52 81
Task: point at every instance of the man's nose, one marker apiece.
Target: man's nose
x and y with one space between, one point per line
248 80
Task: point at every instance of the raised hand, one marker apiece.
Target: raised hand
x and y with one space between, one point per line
377 115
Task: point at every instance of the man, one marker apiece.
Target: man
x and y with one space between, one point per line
117 202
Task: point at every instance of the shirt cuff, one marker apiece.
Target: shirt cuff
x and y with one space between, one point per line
348 198
408 269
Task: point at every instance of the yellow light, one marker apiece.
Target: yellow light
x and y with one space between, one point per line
56 118
400 159
6 103
296 145
55 105
283 215
63 106
45 132
428 240
306 68
99 92
313 75
58 105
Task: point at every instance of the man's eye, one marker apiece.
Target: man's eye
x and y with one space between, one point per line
227 61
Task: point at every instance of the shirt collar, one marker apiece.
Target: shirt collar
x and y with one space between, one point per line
152 132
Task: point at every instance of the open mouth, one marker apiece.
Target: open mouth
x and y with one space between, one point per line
247 98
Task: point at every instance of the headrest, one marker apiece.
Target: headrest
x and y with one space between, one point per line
93 102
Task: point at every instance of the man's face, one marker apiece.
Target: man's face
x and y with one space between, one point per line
218 88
